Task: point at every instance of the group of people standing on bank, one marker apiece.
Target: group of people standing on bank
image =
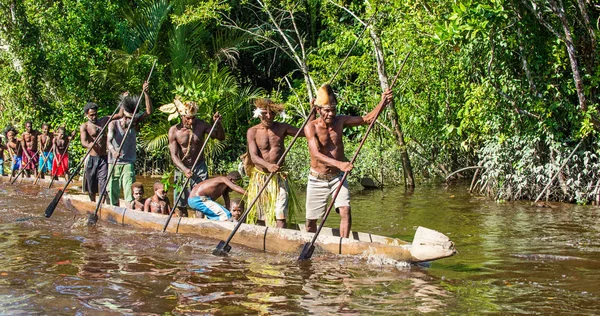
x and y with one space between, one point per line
265 142
36 153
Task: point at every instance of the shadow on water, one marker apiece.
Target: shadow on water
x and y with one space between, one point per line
512 259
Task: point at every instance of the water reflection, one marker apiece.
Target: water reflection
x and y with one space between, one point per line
512 259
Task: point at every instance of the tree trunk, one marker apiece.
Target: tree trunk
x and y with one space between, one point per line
560 12
409 180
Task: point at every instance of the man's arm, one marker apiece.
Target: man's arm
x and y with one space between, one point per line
313 148
253 151
83 135
219 132
148 101
386 98
110 137
173 150
234 186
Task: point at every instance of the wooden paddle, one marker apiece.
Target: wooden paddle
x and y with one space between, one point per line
187 180
223 247
309 247
22 169
45 160
93 218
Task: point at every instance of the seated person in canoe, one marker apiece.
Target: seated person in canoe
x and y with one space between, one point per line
237 209
203 195
159 202
138 197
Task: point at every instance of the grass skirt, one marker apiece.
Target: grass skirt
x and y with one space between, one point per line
268 199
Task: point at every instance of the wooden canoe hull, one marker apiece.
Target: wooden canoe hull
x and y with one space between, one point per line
430 245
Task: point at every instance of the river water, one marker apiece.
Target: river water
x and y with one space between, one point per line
513 259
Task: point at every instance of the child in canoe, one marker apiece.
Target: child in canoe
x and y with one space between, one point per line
159 202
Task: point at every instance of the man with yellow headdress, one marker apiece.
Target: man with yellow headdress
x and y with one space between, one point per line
185 142
327 159
265 147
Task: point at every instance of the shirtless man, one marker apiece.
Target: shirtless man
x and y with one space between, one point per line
96 168
185 142
327 160
159 202
265 147
45 147
60 163
203 196
29 142
14 149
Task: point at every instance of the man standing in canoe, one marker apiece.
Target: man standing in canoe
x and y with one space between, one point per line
185 142
265 147
123 162
45 146
327 160
29 143
96 168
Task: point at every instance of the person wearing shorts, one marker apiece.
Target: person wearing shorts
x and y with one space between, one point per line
327 160
203 195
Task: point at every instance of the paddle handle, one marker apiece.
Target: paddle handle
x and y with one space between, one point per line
112 169
279 162
187 180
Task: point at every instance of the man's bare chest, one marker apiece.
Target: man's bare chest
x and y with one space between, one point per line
268 139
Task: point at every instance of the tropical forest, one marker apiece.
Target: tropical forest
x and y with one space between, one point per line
500 94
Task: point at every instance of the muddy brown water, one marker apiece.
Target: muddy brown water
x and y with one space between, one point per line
513 259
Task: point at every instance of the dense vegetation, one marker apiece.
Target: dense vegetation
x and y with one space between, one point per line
509 86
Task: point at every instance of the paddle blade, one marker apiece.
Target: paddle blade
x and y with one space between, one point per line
307 251
222 249
92 220
52 206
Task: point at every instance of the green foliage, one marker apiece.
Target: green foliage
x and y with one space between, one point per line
487 83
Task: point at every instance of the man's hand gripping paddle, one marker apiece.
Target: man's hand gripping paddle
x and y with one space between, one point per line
309 247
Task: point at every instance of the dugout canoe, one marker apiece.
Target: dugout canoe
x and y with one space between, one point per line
427 245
